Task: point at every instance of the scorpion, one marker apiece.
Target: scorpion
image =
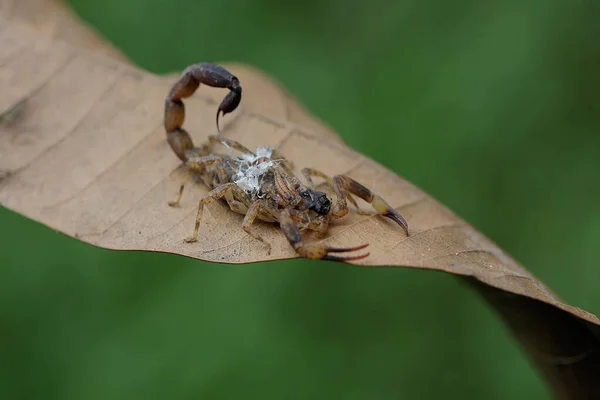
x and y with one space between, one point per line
275 194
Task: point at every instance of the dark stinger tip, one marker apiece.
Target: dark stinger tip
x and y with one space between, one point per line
229 104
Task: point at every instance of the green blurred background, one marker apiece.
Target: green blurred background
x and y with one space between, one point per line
491 108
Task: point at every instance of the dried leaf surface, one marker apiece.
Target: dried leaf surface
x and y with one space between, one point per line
83 150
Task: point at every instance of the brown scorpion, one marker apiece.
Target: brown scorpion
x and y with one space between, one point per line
261 185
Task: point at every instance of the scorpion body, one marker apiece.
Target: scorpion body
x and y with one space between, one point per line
261 185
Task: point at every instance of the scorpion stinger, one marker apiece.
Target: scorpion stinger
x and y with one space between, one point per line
231 101
189 81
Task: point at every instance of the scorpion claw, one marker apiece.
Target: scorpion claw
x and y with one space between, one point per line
397 218
320 252
387 211
346 259
345 250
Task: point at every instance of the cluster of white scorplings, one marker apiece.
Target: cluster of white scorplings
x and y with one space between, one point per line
250 172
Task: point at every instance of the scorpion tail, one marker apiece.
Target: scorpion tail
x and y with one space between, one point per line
179 140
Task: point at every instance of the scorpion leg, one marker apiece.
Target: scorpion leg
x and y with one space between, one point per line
197 165
254 211
288 164
310 172
186 176
329 185
217 193
345 185
314 251
227 191
235 206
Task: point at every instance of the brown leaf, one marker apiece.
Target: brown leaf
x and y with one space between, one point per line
83 150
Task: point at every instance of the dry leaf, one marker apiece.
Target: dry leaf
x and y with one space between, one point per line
83 150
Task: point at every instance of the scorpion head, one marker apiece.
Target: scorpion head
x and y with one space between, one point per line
316 201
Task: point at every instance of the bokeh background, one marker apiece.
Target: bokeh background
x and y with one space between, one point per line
491 107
